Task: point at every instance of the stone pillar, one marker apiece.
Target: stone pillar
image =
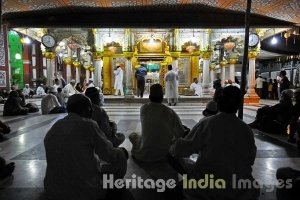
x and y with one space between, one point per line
128 68
195 66
77 65
45 67
205 74
68 63
232 62
50 65
176 41
223 64
212 74
33 62
87 75
98 68
107 84
251 98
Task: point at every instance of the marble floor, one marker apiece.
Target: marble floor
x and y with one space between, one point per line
24 146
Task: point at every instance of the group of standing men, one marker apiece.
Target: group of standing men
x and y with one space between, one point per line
171 80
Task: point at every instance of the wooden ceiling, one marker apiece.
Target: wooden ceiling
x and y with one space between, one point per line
148 12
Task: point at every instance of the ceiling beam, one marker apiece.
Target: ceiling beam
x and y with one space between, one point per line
192 16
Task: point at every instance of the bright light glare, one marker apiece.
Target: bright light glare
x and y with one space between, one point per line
108 39
18 56
274 40
27 40
194 39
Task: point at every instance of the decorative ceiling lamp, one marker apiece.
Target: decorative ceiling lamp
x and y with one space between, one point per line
286 36
229 45
190 48
108 39
25 39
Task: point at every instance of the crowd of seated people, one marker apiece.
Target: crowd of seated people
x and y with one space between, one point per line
84 145
80 150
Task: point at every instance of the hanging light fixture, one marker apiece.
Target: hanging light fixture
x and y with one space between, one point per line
274 40
109 39
151 39
194 39
286 36
25 39
229 45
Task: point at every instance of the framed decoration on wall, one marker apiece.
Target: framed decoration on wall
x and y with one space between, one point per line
2 78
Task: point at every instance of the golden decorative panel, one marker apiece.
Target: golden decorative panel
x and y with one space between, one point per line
146 46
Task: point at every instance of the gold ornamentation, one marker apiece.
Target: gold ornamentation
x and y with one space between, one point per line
206 54
68 60
91 68
97 55
50 55
76 64
212 67
128 54
232 60
223 63
175 54
252 54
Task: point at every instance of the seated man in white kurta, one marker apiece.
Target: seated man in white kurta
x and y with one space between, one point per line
161 126
69 89
196 87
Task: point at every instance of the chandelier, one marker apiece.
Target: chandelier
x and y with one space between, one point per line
190 48
229 46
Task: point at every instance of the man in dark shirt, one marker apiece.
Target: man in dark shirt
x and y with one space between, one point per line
285 83
140 74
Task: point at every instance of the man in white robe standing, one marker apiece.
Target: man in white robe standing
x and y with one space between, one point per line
118 81
171 79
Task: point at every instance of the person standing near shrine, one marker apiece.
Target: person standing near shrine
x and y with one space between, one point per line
171 79
140 74
118 81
